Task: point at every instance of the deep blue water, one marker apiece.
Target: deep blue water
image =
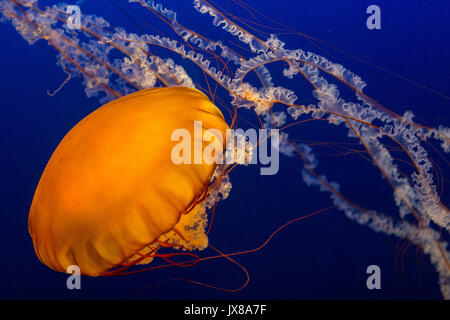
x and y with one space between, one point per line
322 257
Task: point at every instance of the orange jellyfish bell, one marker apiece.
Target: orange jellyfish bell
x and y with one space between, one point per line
111 190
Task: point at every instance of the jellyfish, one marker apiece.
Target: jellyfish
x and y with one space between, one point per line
111 193
113 63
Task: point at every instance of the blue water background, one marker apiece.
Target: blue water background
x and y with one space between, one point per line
322 257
